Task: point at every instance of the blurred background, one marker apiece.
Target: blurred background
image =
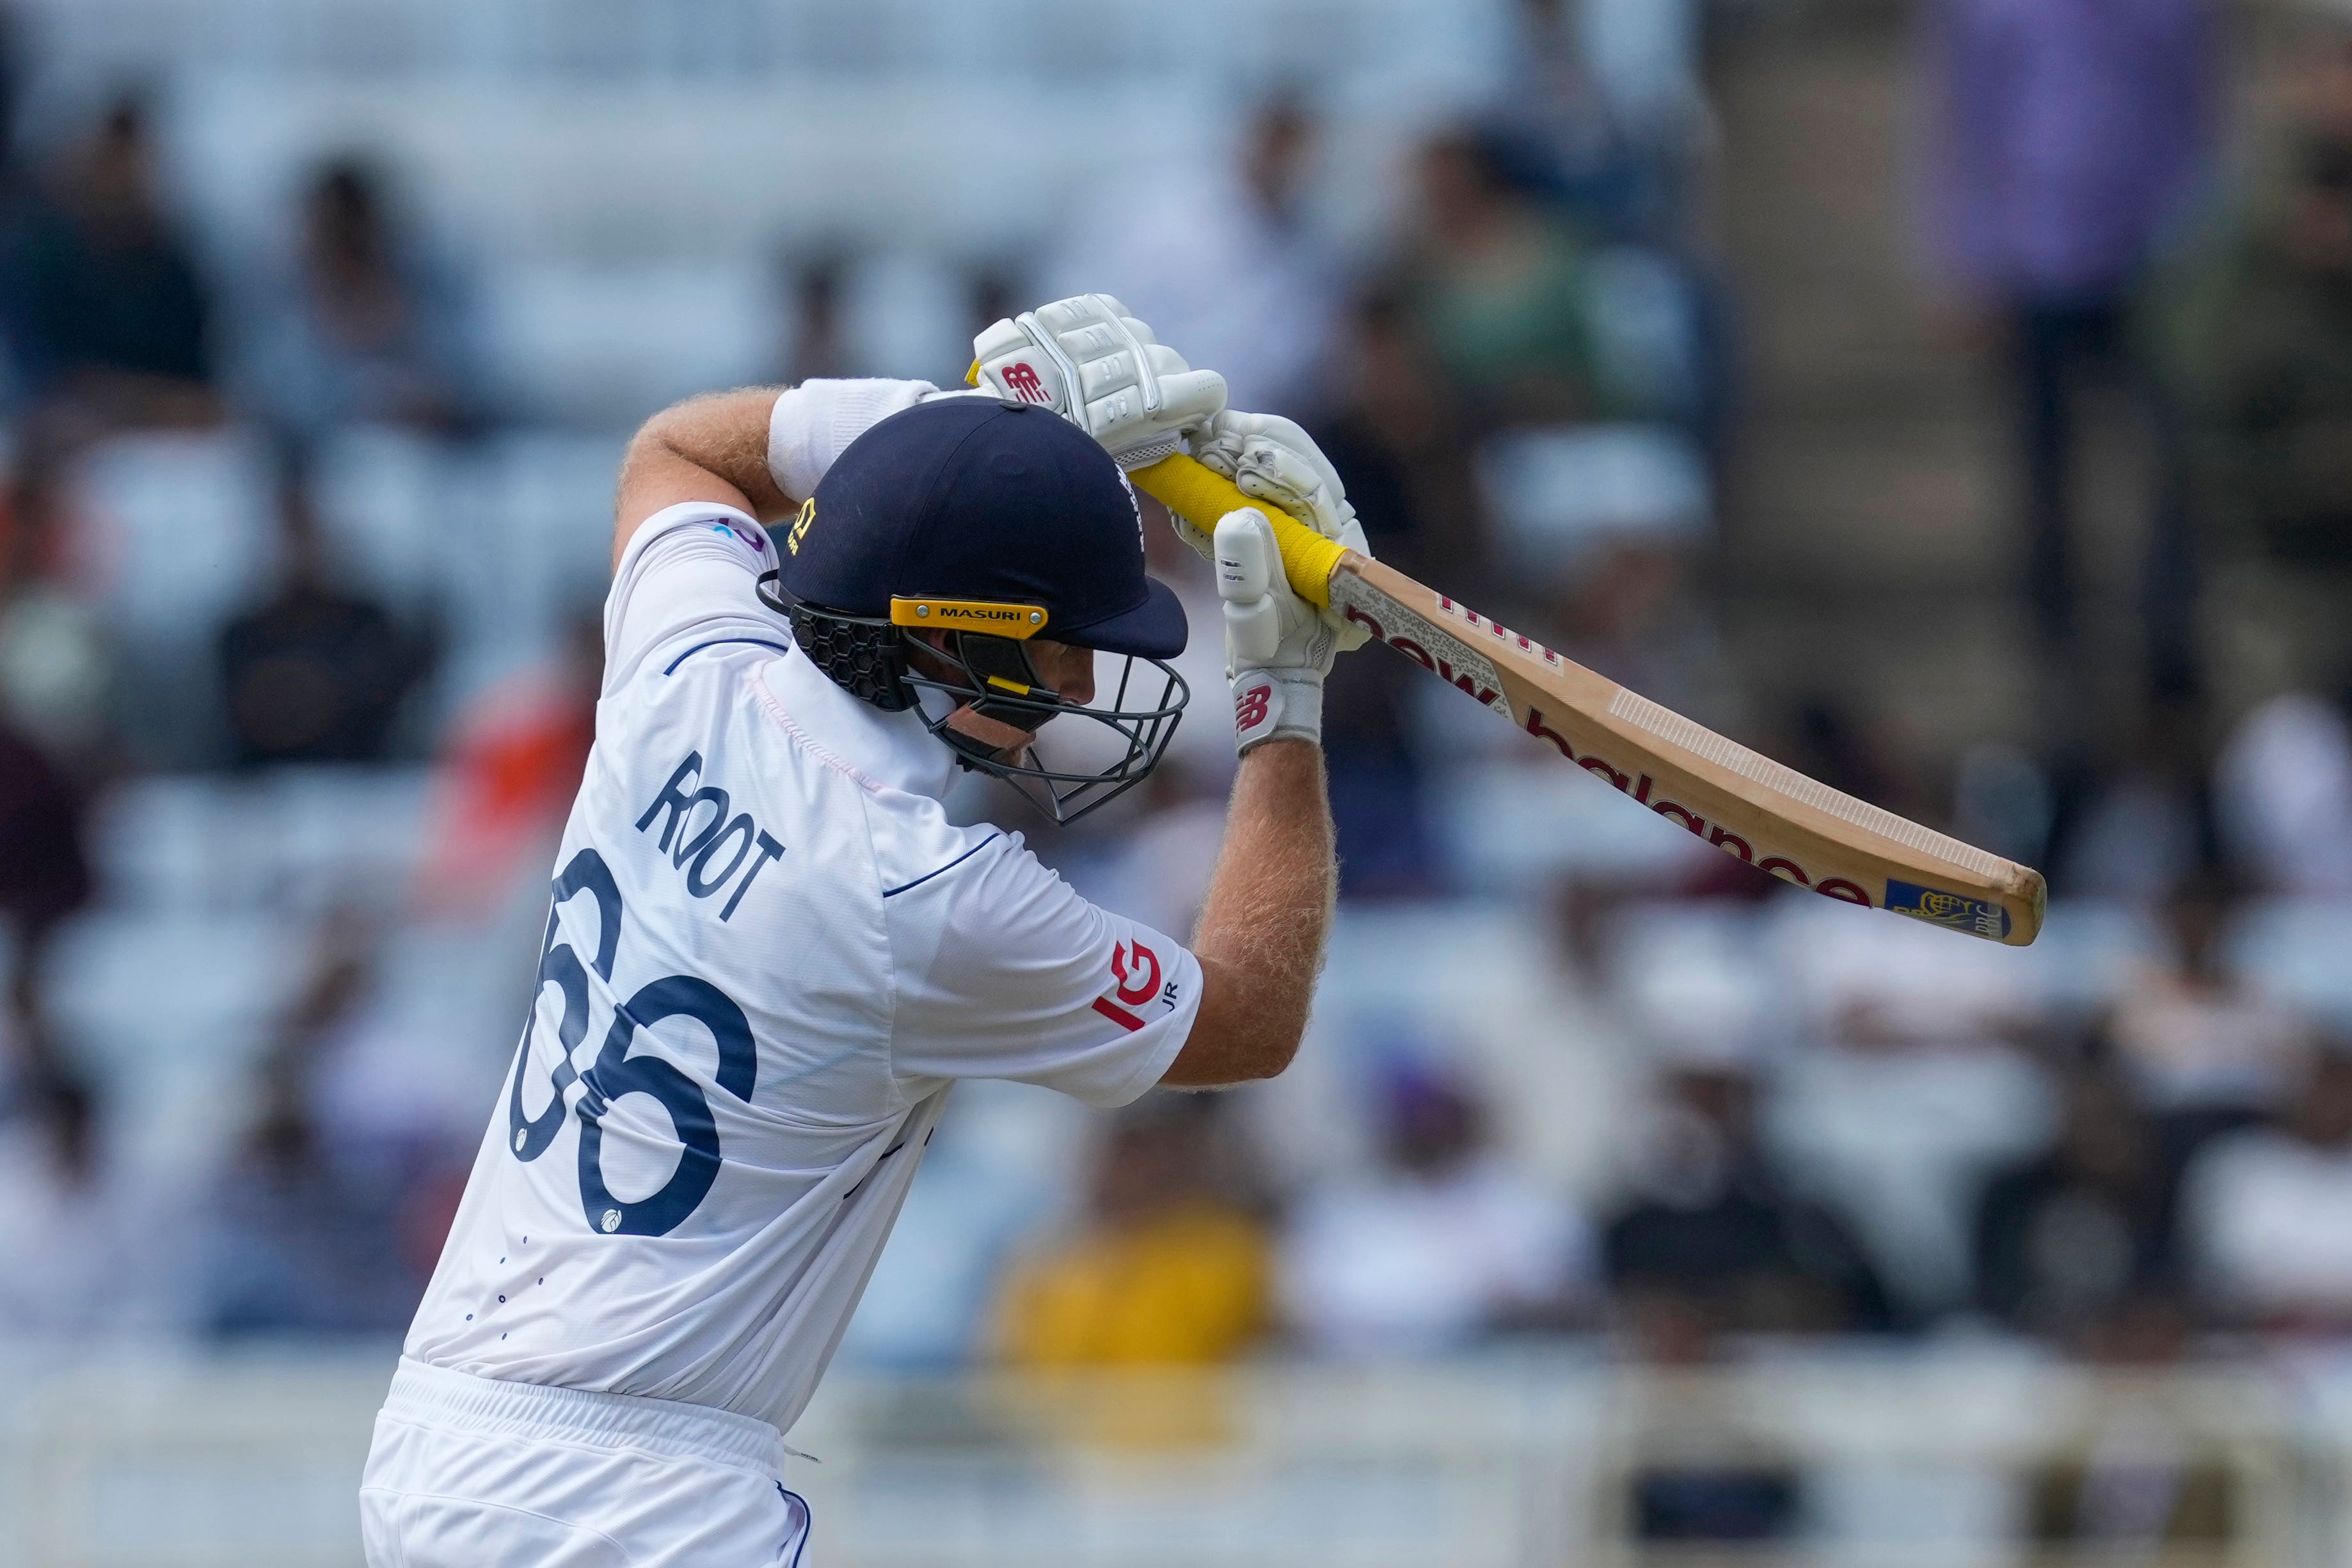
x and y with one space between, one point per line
1952 398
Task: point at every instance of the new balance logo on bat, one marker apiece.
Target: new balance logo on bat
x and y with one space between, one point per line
1642 787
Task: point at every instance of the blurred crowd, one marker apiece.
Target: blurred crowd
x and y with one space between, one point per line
1528 376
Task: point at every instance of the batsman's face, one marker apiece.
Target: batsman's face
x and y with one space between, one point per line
1068 670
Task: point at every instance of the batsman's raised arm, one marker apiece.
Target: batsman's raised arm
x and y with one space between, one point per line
759 450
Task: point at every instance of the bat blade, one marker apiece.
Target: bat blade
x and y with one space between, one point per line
1723 794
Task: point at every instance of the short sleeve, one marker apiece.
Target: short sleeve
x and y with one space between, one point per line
691 570
1006 972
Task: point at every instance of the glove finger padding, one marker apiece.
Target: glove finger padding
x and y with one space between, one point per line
1189 399
1277 648
1247 561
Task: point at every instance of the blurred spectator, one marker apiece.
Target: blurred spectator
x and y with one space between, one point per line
2070 136
820 346
105 303
2137 821
369 329
314 672
2204 1050
1501 291
2070 1239
308 1234
1226 263
1389 430
294 1244
1162 1272
45 872
1712 1239
2268 1211
57 670
1609 90
1911 1094
2283 795
2278 389
1378 783
510 770
85 1256
1595 529
1442 1244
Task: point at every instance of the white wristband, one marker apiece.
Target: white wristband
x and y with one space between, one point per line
1277 705
812 424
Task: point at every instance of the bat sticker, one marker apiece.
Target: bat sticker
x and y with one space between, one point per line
1954 911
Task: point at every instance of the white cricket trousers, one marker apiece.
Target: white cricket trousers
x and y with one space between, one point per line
468 1472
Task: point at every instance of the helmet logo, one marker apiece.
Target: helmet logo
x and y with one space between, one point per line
1018 621
801 525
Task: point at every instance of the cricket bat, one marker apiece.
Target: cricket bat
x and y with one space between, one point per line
1743 803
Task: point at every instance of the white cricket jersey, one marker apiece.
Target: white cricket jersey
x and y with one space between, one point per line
770 956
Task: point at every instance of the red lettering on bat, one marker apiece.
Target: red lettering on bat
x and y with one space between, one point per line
1415 651
1594 765
1722 838
1379 634
1689 820
1536 727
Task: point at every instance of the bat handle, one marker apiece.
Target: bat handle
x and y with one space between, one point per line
1200 495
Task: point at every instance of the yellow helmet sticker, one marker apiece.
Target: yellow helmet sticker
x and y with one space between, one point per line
801 525
1018 621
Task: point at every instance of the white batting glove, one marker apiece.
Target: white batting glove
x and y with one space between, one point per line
1100 368
1270 458
1277 647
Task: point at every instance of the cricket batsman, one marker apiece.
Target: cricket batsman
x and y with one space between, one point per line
771 955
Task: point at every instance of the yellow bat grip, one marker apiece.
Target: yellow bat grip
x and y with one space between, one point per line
1200 495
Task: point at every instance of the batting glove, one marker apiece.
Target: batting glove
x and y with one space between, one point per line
1100 368
1277 648
1269 458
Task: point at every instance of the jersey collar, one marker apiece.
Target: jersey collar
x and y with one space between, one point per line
891 749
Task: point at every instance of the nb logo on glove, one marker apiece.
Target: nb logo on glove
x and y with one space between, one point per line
1020 379
1249 707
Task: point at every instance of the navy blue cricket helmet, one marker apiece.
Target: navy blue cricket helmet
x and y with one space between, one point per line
941 543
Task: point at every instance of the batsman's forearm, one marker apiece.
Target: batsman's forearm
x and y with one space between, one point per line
1269 911
722 433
